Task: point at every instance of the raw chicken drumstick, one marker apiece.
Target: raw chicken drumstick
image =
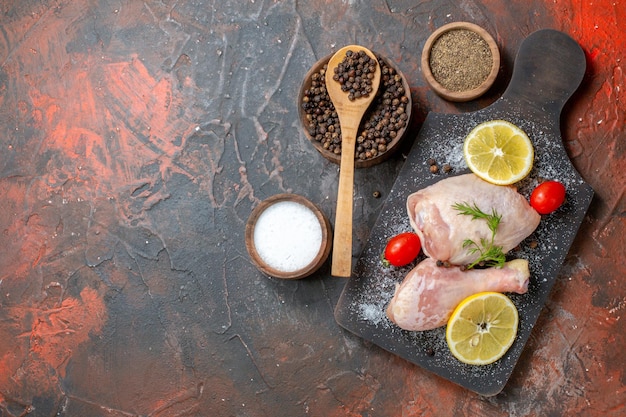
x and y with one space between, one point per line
429 293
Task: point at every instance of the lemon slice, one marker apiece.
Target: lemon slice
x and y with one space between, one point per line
482 328
498 152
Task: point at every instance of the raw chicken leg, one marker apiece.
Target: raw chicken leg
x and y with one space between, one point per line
429 293
442 229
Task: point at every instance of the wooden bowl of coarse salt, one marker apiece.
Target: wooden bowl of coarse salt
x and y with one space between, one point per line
287 236
460 61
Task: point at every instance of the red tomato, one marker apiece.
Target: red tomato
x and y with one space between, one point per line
402 249
547 197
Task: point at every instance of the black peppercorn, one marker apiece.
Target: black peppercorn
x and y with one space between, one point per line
346 73
382 123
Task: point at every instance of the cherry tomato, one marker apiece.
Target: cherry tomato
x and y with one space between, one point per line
402 249
547 197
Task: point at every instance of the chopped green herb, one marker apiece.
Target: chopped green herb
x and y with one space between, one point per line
489 254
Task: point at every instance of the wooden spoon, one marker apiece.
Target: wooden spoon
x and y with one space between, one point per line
350 113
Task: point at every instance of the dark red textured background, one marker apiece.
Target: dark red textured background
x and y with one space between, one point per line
136 138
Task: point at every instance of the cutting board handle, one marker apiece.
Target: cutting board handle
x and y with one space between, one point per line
549 67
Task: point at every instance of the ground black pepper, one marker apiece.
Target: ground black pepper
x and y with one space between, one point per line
381 124
460 60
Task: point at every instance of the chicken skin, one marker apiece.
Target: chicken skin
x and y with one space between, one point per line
429 293
442 229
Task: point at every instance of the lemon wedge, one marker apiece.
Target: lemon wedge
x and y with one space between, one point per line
482 328
498 152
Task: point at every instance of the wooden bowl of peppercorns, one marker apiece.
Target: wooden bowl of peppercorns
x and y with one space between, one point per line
382 128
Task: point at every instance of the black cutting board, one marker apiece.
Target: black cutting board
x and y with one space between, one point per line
549 67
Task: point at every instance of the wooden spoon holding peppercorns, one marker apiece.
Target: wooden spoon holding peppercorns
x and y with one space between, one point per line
352 80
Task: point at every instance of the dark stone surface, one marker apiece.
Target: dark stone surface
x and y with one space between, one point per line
136 139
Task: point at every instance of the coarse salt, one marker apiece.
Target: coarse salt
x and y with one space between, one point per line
287 236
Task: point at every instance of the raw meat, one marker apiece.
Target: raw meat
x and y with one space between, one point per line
442 229
429 293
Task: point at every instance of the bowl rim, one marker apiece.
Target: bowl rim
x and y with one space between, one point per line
358 163
460 96
319 259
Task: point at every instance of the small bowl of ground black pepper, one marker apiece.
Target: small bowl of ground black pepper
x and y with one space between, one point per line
460 61
382 128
